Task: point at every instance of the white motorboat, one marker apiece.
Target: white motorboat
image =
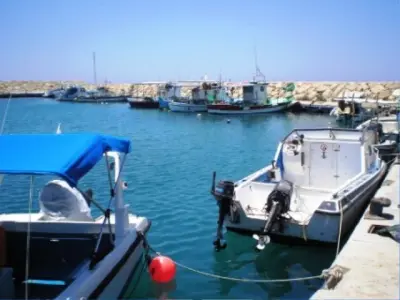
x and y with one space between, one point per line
54 93
61 251
314 190
79 94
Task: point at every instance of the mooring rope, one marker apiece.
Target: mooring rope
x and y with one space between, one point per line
325 274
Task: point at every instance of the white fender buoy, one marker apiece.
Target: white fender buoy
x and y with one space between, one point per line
228 121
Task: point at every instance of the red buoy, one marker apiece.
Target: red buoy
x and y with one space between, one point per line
162 269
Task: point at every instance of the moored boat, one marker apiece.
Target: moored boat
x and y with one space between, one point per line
200 96
315 189
143 102
54 93
388 135
188 106
167 93
61 251
255 101
79 94
350 113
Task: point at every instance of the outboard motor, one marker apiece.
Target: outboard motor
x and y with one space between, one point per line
380 132
223 193
278 203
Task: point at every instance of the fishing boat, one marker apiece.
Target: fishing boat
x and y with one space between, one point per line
167 93
61 251
351 113
255 101
190 105
200 96
143 102
388 135
314 190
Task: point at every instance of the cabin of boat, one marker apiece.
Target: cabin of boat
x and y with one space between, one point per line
61 251
388 135
168 92
72 93
317 175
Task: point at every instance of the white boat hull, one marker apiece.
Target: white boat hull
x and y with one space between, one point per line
116 99
323 227
316 189
186 107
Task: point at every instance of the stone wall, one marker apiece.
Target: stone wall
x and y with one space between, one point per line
313 91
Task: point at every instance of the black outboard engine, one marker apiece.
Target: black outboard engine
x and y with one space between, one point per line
380 132
223 193
278 203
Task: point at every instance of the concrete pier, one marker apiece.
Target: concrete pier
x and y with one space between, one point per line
371 261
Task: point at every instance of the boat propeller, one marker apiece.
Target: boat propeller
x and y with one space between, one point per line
262 241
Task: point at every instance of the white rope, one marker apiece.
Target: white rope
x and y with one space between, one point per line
3 122
28 238
245 279
340 228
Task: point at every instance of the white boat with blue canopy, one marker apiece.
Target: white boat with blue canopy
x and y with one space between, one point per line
61 251
314 191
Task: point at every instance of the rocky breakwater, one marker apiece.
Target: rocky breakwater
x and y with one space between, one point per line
327 91
308 91
40 87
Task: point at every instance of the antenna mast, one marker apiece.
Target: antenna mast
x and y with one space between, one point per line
259 74
94 68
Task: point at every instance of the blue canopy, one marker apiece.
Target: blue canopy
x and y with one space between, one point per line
69 156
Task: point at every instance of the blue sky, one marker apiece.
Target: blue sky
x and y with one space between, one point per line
327 40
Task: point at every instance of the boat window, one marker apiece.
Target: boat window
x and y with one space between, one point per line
248 89
262 89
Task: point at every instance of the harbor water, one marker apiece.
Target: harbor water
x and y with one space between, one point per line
169 175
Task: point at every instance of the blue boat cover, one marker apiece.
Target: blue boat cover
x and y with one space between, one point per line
69 156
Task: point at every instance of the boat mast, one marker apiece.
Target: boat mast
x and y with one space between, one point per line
94 69
259 74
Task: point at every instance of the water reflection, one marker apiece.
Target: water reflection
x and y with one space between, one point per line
275 262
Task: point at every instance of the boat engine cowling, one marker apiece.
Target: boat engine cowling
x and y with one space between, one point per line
278 203
224 190
282 194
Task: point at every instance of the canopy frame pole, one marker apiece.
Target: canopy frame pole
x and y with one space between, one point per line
107 212
28 237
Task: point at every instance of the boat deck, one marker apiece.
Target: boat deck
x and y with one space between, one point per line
372 260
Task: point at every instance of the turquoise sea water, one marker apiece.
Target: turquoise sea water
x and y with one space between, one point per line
169 176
